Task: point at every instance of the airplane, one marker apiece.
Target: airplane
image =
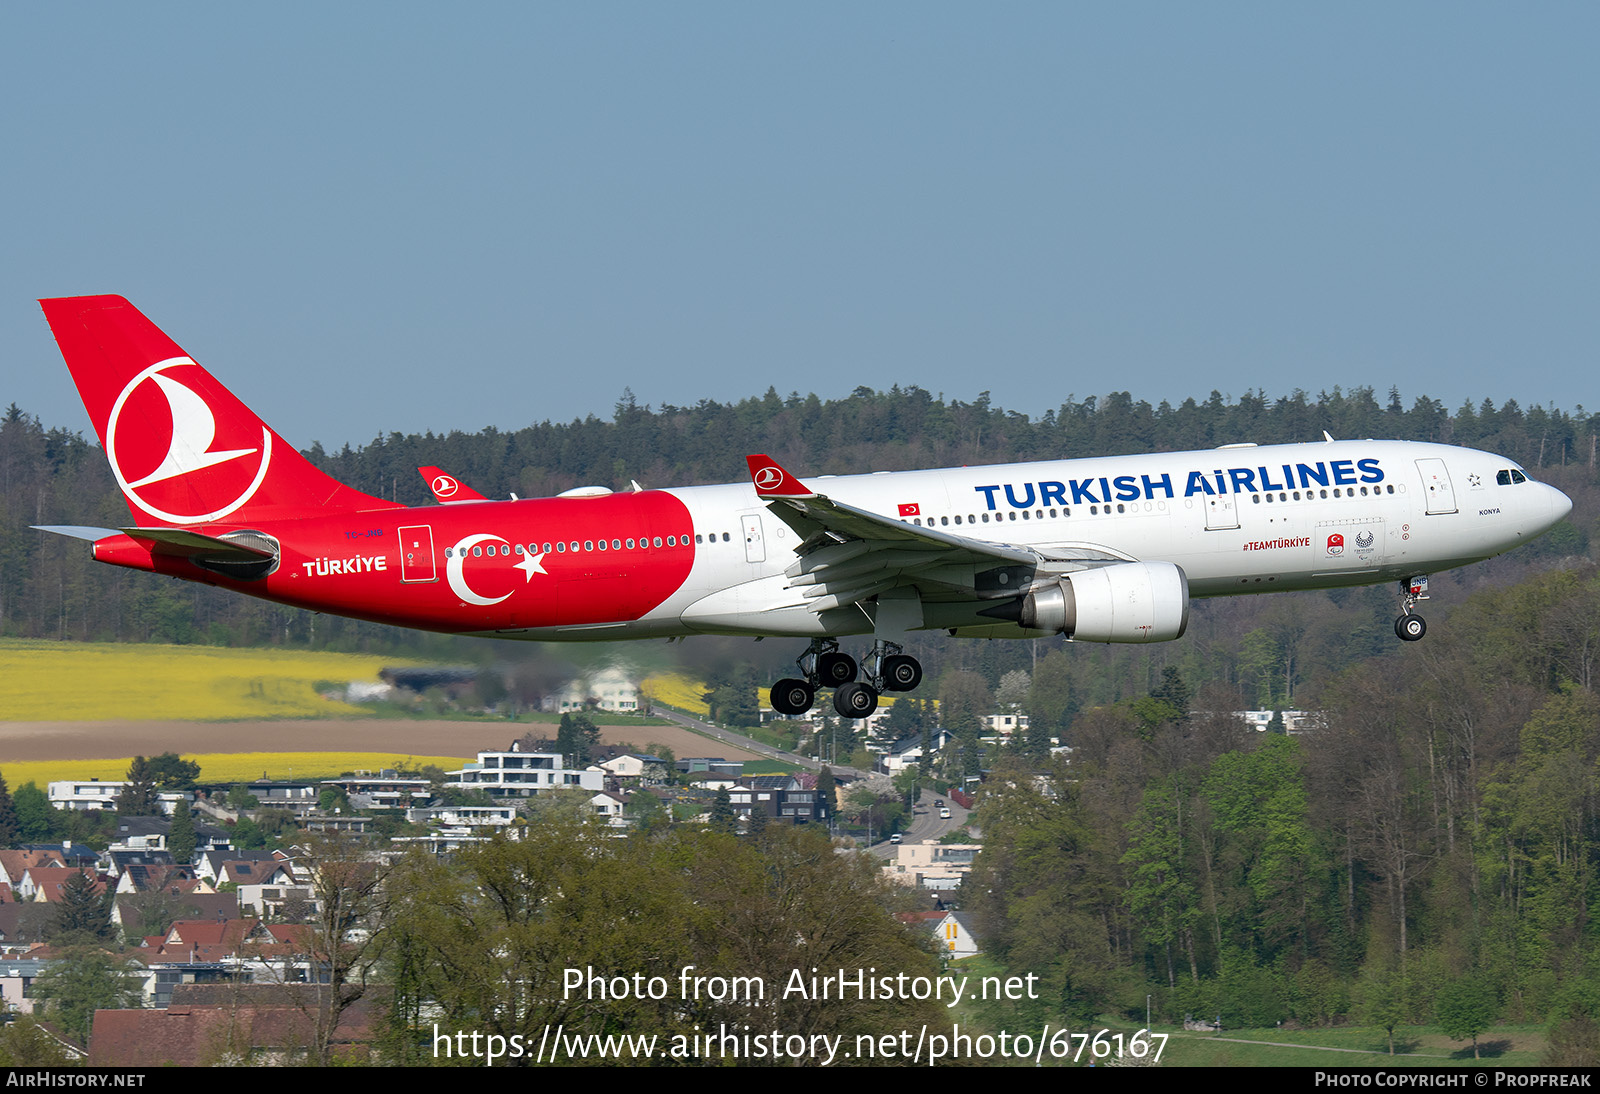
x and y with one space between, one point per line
1106 549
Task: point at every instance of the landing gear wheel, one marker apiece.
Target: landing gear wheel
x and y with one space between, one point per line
855 700
901 673
1410 628
834 669
792 697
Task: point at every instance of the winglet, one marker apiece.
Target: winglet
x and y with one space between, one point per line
772 481
447 487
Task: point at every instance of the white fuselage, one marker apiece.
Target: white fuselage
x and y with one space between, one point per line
1240 519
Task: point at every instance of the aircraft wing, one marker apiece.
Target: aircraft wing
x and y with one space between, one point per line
849 554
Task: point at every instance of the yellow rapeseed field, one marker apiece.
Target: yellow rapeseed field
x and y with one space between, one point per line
680 691
91 681
231 767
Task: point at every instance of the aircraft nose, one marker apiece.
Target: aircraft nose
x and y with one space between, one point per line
1560 505
1557 506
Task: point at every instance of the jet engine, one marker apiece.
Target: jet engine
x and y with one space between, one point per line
1125 602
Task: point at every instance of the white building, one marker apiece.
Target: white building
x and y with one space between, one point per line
936 866
523 774
84 796
1004 725
1294 721
609 689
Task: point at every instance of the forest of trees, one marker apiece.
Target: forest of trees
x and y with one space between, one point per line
1439 825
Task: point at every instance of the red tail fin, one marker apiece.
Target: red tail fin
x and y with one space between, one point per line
183 449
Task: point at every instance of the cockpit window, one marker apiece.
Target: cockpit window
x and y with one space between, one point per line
1518 476
1503 478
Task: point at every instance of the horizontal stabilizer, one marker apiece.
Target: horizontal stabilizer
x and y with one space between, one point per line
76 531
178 541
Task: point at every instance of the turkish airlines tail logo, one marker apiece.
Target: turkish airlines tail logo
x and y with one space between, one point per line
182 447
188 449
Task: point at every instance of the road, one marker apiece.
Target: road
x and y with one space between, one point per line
926 824
738 740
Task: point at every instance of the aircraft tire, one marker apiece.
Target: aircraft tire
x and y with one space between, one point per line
855 700
834 669
901 673
792 697
1410 628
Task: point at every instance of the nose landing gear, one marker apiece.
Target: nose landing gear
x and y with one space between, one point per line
1411 627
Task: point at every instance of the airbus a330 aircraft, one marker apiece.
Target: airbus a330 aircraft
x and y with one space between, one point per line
1100 550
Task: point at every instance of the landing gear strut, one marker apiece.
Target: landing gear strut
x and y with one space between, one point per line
1410 627
823 666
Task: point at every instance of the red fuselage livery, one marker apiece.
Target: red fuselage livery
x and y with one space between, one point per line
1106 550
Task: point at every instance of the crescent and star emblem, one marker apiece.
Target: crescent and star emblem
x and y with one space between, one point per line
454 569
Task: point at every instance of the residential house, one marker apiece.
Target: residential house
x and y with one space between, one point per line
385 790
609 689
44 883
227 1024
210 864
936 866
523 775
644 770
465 817
781 797
85 794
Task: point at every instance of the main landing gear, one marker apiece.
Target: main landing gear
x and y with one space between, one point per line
1410 627
823 666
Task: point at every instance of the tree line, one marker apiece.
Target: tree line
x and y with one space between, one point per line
1432 841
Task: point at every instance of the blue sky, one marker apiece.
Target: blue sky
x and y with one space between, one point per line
375 217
